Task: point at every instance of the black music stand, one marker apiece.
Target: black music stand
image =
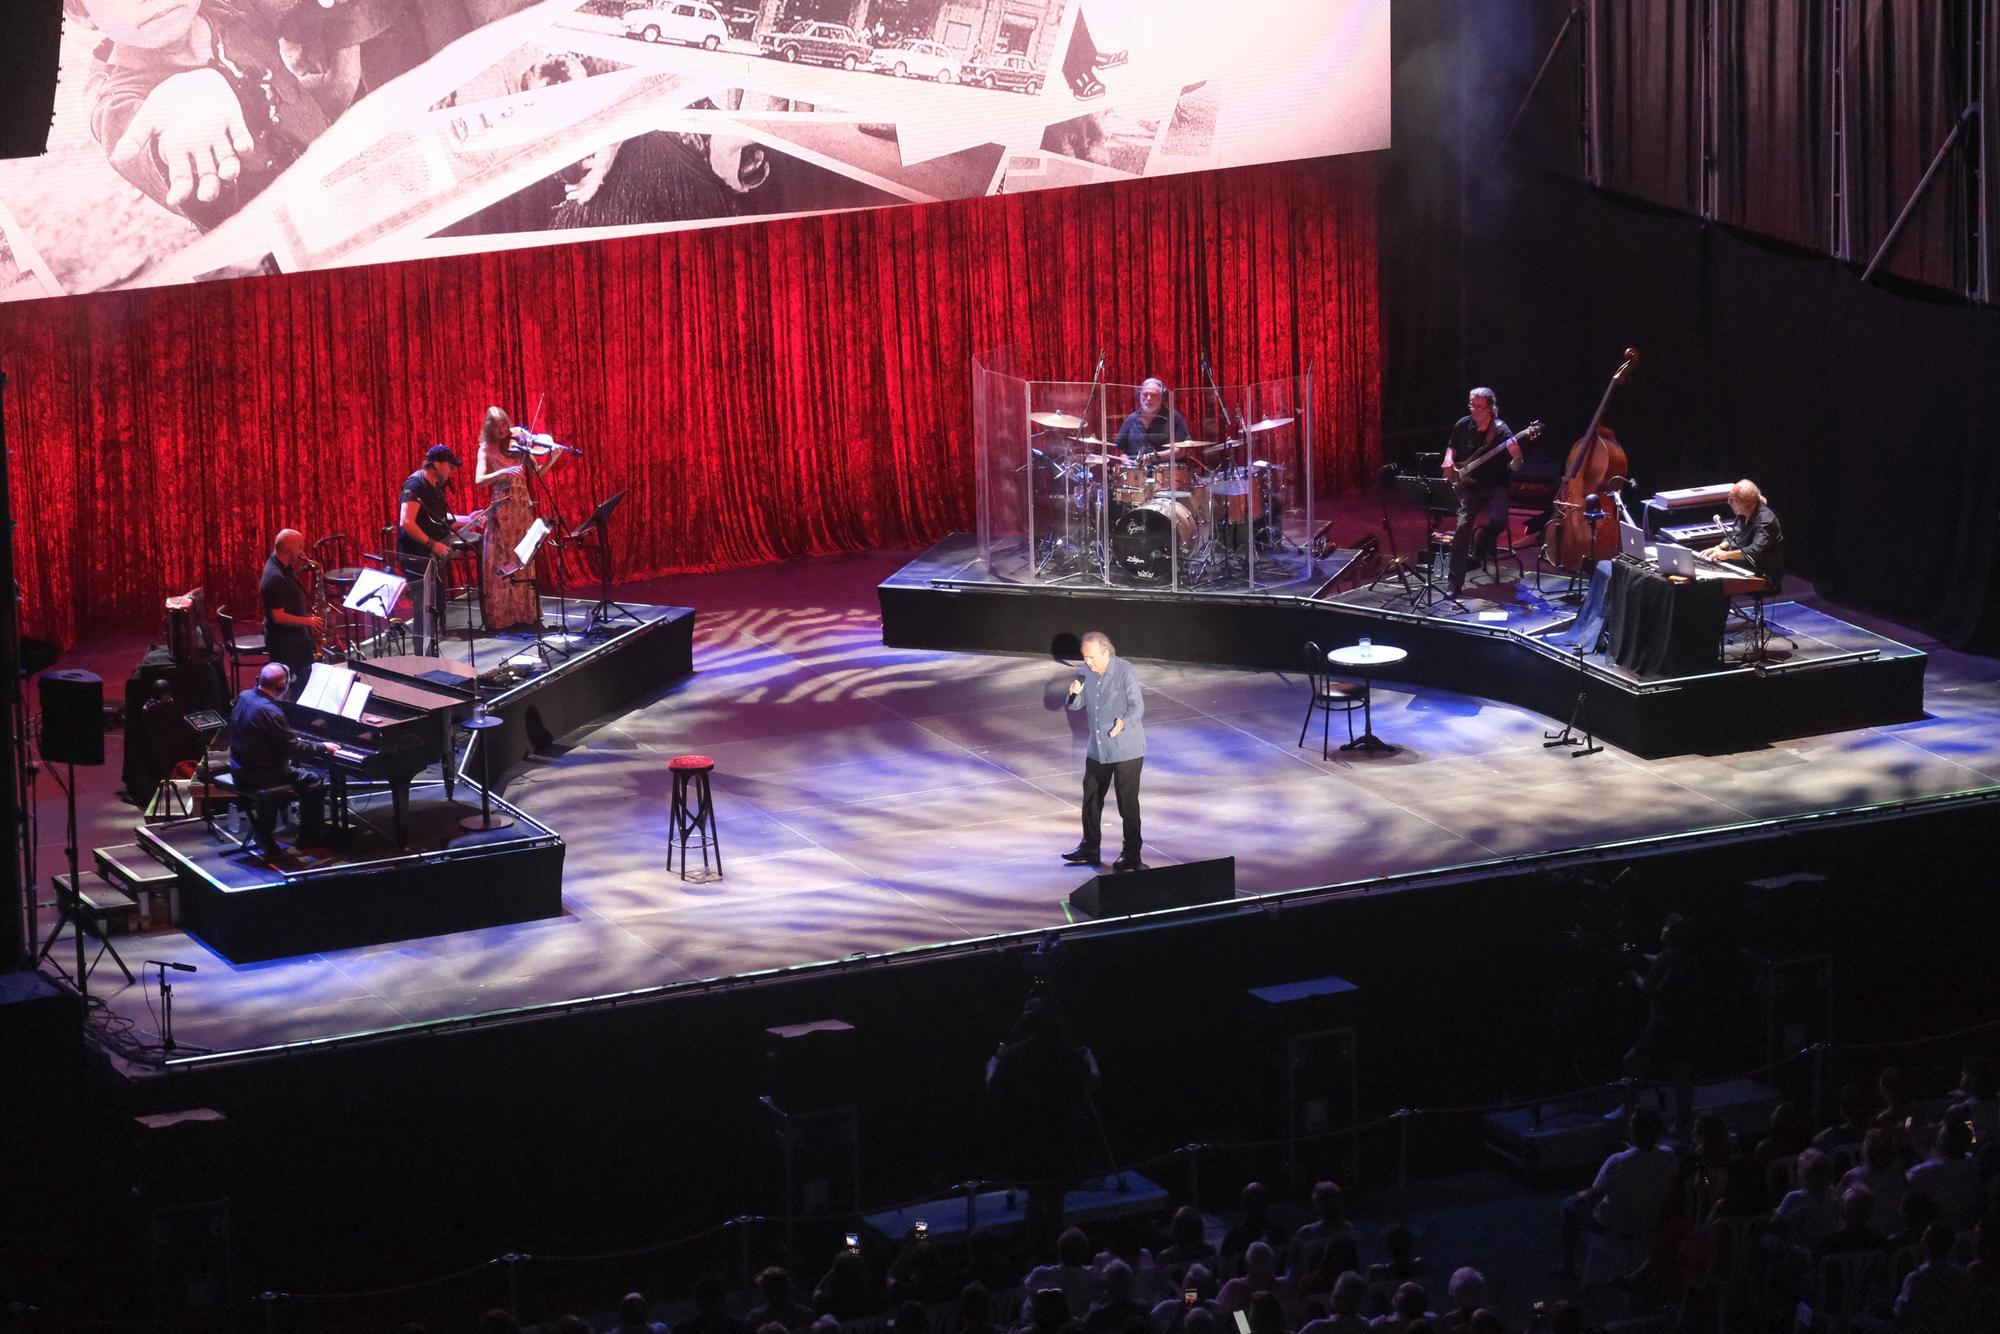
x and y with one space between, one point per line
606 610
513 569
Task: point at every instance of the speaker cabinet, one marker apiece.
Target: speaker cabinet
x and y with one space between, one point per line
72 717
1116 894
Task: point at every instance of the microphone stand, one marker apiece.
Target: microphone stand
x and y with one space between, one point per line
167 1006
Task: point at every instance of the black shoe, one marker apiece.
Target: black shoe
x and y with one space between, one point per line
1127 861
1079 854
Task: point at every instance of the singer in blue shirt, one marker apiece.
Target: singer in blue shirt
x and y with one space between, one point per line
1107 690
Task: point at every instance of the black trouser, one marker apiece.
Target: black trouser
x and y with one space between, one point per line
311 791
1484 509
295 651
1097 776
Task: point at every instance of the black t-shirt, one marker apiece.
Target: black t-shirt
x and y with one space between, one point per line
1762 543
433 514
1468 444
281 591
1136 435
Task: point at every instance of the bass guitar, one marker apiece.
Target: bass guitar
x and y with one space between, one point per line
1461 475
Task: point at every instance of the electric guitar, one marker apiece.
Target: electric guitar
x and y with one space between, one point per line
1463 471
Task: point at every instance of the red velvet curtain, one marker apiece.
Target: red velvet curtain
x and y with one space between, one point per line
763 391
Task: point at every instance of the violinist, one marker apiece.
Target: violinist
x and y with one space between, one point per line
507 454
1482 496
1755 539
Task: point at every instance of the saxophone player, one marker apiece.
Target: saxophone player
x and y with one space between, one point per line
289 626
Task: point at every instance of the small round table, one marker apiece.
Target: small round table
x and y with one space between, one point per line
1363 659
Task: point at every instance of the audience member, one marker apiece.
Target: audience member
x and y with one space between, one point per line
1190 1243
778 1308
1110 1312
1625 1200
983 1264
1854 1233
1977 1100
709 1317
1329 1221
1198 1289
1260 1274
1322 1263
1409 1307
1856 1111
847 1290
1467 1290
975 1309
1040 1080
1811 1213
1950 1176
1402 1266
1255 1224
1704 1171
1486 1321
1881 1175
1918 1213
1788 1134
1046 1312
1267 1314
910 1318
571 1324
635 1318
1344 1315
1072 1273
1896 1110
1936 1297
1149 1285
918 1273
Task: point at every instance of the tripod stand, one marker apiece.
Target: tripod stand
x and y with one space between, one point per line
599 522
1579 713
167 1006
70 905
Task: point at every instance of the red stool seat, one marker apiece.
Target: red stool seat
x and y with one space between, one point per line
690 762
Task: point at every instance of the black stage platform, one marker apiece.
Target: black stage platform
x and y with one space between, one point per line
366 888
1841 676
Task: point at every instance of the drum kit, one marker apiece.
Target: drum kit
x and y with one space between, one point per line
1143 520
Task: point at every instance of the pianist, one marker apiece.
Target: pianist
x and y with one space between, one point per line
1755 539
261 747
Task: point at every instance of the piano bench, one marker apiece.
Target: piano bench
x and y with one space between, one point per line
252 801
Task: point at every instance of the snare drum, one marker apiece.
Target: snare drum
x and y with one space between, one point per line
1131 485
1145 542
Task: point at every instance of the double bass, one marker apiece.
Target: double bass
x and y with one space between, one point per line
1596 467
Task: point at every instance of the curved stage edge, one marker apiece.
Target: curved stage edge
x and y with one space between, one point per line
942 600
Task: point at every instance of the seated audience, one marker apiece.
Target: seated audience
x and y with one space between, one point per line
778 1308
634 1317
1467 1290
1856 1112
1072 1273
1329 1221
1046 1312
1344 1307
1408 1309
975 1309
847 1290
1977 1100
1854 1232
1172 1313
1267 1314
1950 1176
1937 1296
1255 1224
1811 1212
1260 1274
1117 1306
1403 1264
1880 1173
1190 1243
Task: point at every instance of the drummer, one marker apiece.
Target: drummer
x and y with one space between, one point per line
1154 425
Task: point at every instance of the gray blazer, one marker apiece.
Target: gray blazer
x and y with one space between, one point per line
1105 699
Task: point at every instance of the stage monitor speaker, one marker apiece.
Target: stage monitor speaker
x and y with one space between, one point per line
1120 894
72 717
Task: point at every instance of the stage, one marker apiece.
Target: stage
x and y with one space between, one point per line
1504 642
880 802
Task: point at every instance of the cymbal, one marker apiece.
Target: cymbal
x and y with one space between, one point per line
1091 442
1095 459
1056 421
1269 424
1189 444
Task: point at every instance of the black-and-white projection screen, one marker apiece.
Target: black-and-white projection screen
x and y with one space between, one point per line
213 138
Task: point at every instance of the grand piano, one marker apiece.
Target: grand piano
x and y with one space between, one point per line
413 706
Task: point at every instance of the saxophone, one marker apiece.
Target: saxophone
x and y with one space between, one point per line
325 647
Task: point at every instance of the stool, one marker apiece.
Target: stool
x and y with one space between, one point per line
691 817
253 802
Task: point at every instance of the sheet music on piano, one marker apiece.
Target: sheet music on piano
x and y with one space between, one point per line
336 690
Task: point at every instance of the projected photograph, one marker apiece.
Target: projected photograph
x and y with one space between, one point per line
198 139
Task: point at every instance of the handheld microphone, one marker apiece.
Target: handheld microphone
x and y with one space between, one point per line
177 967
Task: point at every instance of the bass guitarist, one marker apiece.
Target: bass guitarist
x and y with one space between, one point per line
1482 493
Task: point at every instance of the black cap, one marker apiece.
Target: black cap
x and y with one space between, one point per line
443 454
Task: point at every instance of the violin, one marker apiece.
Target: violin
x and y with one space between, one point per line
528 444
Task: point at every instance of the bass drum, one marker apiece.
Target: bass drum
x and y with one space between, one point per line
1145 542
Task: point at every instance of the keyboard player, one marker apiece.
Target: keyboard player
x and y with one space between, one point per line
1755 540
261 748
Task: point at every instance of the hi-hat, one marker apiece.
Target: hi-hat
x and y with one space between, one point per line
1269 424
1056 421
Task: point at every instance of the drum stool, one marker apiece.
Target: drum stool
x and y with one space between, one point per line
691 816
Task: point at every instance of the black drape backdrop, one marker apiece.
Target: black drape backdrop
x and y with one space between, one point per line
1866 416
1647 72
1773 133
